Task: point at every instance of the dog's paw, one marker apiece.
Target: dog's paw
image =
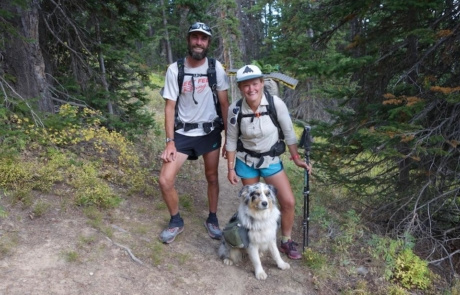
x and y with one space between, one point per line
261 275
284 265
228 261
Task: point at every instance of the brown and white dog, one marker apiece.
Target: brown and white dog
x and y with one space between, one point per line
259 214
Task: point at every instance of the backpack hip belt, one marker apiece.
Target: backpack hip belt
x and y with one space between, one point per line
276 150
207 126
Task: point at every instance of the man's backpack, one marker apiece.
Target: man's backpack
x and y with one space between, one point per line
212 81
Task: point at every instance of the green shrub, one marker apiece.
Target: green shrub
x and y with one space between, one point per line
13 139
90 189
395 290
40 208
71 256
80 132
401 263
386 249
12 175
455 288
313 260
411 271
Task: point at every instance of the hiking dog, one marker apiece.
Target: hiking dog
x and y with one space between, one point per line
253 229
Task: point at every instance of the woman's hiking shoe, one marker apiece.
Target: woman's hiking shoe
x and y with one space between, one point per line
213 230
289 248
169 234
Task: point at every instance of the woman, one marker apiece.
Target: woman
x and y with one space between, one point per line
257 135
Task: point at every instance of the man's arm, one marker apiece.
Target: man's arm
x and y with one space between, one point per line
223 100
169 154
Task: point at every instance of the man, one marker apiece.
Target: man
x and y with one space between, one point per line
197 129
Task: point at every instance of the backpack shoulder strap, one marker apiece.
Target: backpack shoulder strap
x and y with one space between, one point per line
212 82
180 75
272 113
239 116
212 76
180 81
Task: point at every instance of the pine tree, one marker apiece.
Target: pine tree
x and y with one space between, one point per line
393 141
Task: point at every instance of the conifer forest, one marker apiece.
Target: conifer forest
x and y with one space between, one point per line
378 82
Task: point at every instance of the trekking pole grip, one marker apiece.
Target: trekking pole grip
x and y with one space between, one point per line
305 142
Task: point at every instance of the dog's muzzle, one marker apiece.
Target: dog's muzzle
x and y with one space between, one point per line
263 205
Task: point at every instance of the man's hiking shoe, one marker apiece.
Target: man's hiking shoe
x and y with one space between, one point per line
169 234
213 230
289 248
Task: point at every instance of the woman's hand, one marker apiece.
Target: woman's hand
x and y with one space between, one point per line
232 176
302 164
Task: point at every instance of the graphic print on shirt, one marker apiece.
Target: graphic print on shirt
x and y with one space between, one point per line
200 84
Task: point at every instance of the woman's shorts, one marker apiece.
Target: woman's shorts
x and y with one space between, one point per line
245 171
195 146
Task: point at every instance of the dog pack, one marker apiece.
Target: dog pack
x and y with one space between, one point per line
235 234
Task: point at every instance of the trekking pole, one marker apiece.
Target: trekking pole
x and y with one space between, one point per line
305 143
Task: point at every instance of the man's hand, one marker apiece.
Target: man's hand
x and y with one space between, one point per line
169 154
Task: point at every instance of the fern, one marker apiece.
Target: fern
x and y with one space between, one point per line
411 271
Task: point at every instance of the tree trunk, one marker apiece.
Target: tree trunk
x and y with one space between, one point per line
23 57
167 43
102 68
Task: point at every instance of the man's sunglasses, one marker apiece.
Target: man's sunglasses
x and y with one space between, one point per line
203 26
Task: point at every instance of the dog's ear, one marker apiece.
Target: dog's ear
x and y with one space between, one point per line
244 191
273 191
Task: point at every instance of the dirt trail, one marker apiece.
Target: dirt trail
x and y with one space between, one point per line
61 252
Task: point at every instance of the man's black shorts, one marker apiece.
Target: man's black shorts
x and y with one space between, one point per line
195 146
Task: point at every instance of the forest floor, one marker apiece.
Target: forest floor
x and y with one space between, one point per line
70 250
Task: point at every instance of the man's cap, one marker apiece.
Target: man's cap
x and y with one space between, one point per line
200 27
248 72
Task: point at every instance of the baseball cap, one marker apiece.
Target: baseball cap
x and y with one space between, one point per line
200 27
248 72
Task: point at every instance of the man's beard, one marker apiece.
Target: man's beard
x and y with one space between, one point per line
198 55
